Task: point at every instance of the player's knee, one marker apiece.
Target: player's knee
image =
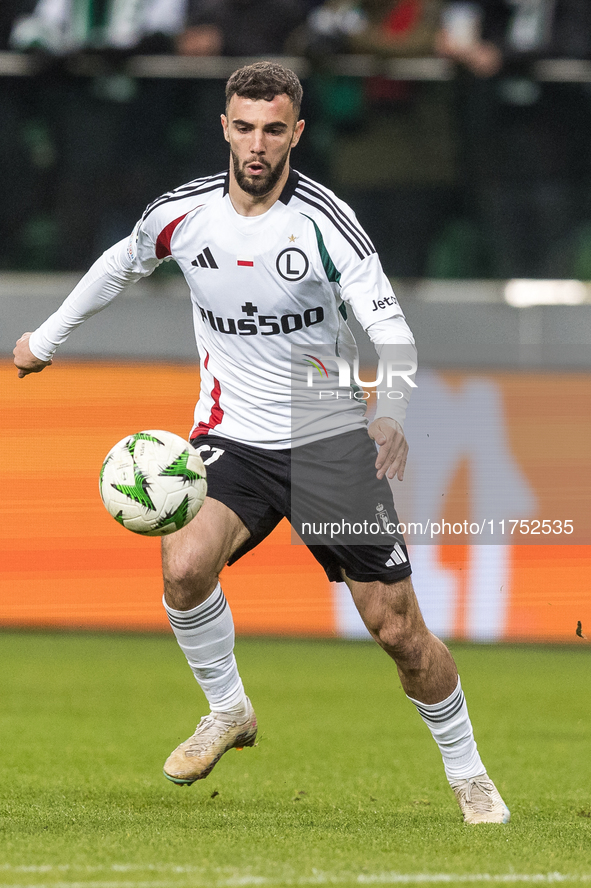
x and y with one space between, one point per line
405 647
188 579
392 615
396 635
402 633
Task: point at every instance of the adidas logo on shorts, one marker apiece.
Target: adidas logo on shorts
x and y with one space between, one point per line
397 556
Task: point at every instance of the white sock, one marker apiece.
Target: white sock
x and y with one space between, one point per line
206 636
451 728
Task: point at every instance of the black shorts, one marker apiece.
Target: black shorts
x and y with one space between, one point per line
329 492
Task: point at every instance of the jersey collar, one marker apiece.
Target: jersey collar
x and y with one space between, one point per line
289 187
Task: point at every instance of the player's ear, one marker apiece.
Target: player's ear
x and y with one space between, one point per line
299 128
224 120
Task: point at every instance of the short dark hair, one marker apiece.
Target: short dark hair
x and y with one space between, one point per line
265 80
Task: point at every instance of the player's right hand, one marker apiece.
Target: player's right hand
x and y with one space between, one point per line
24 359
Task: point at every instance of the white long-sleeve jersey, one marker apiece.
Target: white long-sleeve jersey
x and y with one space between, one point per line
269 296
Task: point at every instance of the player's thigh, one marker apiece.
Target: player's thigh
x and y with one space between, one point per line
389 610
197 553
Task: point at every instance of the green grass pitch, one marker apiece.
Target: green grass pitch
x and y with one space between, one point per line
345 787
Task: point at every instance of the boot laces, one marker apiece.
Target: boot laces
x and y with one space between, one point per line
478 792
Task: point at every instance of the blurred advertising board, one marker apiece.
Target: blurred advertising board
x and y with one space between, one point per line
497 491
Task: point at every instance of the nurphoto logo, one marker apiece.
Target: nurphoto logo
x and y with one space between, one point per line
387 373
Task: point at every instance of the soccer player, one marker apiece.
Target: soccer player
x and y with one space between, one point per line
272 259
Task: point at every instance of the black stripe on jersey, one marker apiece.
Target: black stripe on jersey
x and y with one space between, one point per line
188 187
174 195
312 188
210 184
198 183
289 187
195 183
362 254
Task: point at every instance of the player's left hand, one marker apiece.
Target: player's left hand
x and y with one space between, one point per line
25 361
388 435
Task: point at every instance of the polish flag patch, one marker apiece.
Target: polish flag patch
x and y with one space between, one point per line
246 261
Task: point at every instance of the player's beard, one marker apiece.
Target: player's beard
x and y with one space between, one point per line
263 184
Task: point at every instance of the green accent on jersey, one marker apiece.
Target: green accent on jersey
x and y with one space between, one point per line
178 469
356 388
137 492
141 436
178 517
333 275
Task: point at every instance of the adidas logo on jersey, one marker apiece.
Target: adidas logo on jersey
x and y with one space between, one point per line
205 260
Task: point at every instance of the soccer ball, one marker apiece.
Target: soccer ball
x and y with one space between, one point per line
153 483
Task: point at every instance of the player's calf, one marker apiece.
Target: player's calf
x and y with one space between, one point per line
392 614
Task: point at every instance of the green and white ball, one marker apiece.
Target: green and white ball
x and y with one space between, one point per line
153 482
